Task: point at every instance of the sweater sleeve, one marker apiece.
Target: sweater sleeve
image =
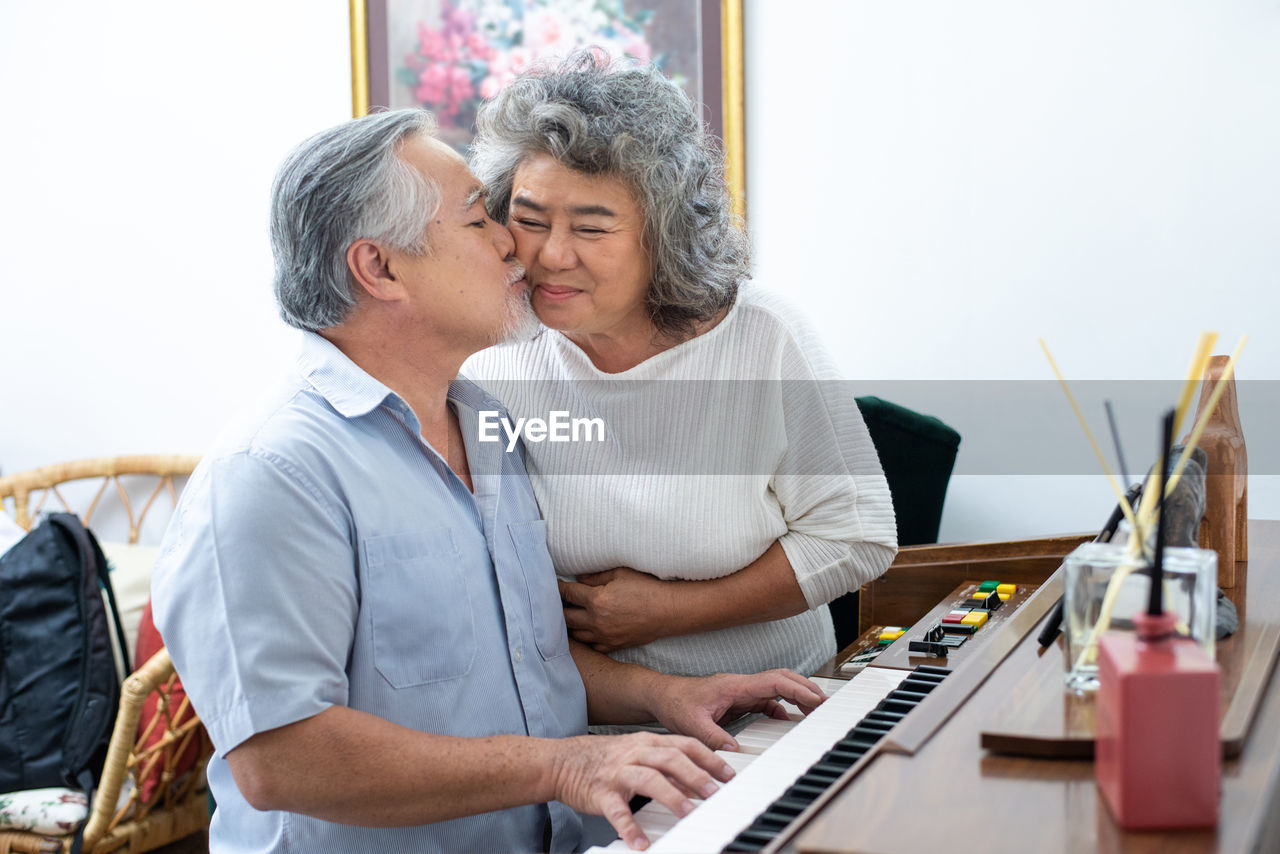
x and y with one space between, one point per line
841 531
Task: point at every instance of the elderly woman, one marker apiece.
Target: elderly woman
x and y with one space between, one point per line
735 490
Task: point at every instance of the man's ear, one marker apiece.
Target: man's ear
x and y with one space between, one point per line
368 262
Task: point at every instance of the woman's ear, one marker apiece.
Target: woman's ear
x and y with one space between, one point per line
368 262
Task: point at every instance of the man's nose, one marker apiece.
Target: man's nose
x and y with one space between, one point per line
503 240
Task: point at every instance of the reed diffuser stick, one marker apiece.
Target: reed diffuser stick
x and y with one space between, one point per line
1111 479
1210 405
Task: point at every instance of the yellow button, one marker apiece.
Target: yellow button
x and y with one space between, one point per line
891 634
980 595
975 618
1007 590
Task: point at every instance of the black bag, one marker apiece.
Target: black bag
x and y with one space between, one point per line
59 690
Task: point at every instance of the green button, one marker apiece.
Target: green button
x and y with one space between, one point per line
988 586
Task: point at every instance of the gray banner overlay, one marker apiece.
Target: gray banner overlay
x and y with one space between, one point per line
735 427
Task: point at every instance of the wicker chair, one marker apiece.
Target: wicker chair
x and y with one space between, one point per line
177 808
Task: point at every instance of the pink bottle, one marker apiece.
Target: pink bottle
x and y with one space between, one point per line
1157 757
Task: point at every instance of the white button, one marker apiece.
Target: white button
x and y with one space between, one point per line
519 656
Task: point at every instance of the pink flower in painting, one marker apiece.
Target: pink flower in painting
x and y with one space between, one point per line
476 47
639 48
546 31
431 44
504 66
444 88
491 86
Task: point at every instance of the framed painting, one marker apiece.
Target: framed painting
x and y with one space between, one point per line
449 55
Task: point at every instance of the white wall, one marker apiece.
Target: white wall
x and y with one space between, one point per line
942 183
139 145
939 182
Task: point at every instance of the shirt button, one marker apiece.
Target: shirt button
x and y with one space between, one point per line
519 656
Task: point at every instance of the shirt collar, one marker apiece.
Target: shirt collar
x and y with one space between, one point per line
340 381
353 392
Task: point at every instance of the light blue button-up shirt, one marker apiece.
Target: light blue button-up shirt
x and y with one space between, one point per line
325 554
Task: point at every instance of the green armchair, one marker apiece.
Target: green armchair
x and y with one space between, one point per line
918 453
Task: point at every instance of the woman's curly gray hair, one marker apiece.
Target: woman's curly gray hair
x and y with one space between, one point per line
629 122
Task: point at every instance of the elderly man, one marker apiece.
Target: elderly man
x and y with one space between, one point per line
357 592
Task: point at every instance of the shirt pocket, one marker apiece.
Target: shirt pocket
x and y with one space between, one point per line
549 633
420 611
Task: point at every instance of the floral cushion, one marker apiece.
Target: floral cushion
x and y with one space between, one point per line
52 812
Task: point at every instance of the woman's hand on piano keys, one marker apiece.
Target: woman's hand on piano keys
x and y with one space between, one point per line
697 706
600 774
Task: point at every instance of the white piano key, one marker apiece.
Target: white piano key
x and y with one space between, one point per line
714 824
655 819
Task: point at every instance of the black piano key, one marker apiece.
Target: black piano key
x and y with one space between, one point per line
888 705
735 845
858 750
831 767
840 754
785 817
793 805
920 687
872 727
804 790
917 676
823 778
750 836
900 694
769 825
859 740
933 669
881 716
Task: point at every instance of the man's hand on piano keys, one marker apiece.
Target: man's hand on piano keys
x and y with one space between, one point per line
600 774
698 706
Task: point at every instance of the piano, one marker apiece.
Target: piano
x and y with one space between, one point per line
928 785
784 767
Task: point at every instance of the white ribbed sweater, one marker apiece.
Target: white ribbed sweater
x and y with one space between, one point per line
713 450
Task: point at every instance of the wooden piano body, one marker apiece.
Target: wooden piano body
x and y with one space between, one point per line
933 786
930 783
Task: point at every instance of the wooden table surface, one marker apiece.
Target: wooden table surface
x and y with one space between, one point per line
948 794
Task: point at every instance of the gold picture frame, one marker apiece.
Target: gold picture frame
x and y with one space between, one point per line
718 20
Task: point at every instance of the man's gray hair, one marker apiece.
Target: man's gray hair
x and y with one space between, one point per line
629 122
341 185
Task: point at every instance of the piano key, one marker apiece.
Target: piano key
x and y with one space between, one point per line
762 733
714 824
800 790
919 685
